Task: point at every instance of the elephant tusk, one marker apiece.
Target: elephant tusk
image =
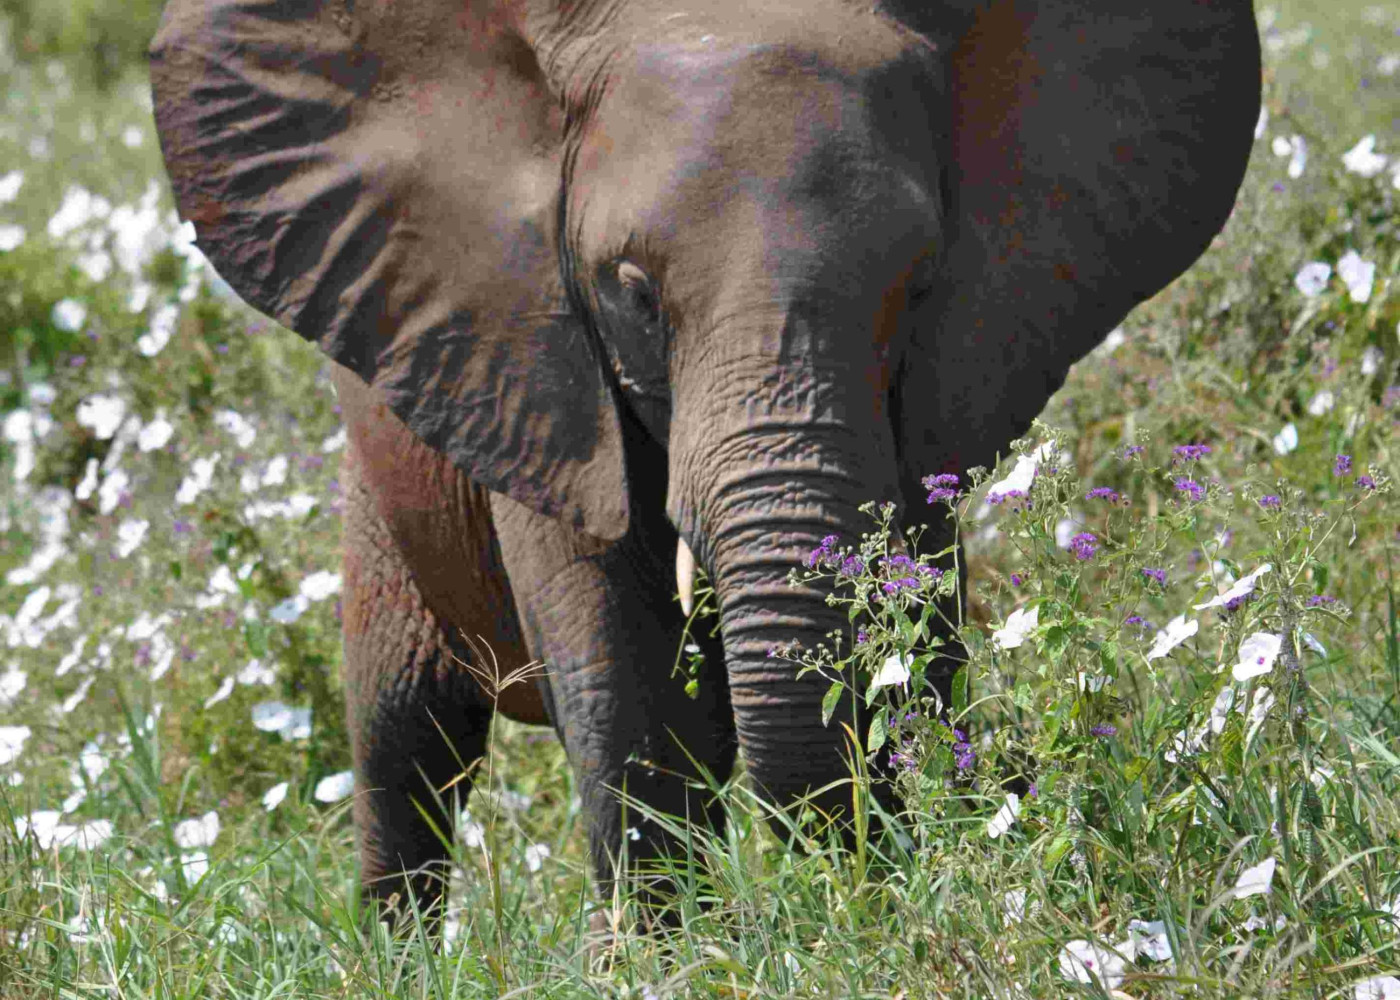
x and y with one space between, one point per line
685 576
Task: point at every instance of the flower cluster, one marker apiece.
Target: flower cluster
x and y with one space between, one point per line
941 487
964 755
903 573
1160 575
1191 488
1103 493
1342 465
1084 545
824 554
1190 452
1270 502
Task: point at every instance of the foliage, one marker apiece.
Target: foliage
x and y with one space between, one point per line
168 608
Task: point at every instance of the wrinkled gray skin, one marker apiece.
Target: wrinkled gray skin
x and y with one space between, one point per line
606 275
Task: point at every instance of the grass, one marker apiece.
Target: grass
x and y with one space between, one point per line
137 658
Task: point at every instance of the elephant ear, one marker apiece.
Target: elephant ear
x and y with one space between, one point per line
1096 148
383 178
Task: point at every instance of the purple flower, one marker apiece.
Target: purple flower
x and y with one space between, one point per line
941 487
862 636
1270 502
1160 575
1191 488
1235 603
853 566
1084 545
221 348
1017 579
964 756
1342 465
77 361
998 498
1131 450
1033 791
1366 482
822 553
1191 452
1103 493
1316 600
1138 620
1104 730
183 527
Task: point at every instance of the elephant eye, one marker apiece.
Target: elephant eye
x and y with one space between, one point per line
639 289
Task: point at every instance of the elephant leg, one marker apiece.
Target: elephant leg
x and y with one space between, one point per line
605 621
416 717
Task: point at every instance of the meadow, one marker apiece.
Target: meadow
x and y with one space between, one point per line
1173 763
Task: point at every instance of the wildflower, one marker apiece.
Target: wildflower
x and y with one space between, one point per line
1363 159
1085 962
1255 881
1131 450
1257 655
1322 403
9 186
1366 482
1178 630
1104 730
1160 575
1286 440
11 237
200 832
822 553
535 855
1312 278
941 487
1191 488
1137 620
1317 600
1084 545
1359 275
1270 502
996 499
1191 452
895 670
1240 588
862 637
853 566
335 787
320 585
1019 624
1017 579
225 689
1103 493
1341 465
1020 480
12 740
1148 939
68 315
1005 817
1377 988
102 414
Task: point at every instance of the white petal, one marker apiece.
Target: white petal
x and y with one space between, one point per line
1378 988
225 689
201 832
335 787
1257 655
272 798
1286 440
1255 881
893 671
1322 403
1363 159
1019 624
1178 630
535 855
1084 962
1005 816
1240 588
320 585
1312 278
1358 274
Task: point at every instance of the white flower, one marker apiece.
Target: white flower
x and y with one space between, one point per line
95 265
256 673
272 798
1257 655
893 671
76 698
320 585
201 475
133 137
1378 988
155 434
102 413
335 442
1013 906
1312 278
1005 816
473 833
1322 403
1298 162
535 855
1220 711
1083 962
1371 359
289 610
234 423
201 832
12 740
1363 159
1286 440
10 185
1311 641
1255 881
335 787
225 689
1358 274
130 534
109 494
1178 630
1022 474
12 682
11 237
1240 588
153 341
1148 938
277 717
195 865
1019 625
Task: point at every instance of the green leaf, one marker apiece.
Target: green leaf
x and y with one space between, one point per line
1055 641
830 700
177 569
1022 696
1108 658
879 731
255 635
961 690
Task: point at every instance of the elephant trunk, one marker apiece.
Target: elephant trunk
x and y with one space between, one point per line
776 493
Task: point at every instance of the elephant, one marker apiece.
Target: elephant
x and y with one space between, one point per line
617 287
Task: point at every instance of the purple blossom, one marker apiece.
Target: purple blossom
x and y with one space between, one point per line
1342 465
1103 493
941 487
1017 579
1160 575
853 566
1235 603
1191 488
1131 450
862 637
182 527
1317 600
1137 620
1033 791
999 498
1270 502
964 756
1084 545
1191 452
221 348
77 361
1366 482
1104 730
822 553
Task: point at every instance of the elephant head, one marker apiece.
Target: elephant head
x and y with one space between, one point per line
815 249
